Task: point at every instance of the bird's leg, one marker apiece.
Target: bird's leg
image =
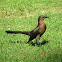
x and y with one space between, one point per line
29 40
37 39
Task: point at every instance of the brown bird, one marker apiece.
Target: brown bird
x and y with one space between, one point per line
37 32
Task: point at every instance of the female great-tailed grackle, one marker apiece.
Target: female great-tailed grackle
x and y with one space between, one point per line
37 32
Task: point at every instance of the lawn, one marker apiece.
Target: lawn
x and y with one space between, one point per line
23 16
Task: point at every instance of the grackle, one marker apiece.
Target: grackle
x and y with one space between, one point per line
37 32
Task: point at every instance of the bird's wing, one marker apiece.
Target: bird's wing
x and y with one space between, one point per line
35 31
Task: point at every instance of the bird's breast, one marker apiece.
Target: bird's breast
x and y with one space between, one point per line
42 28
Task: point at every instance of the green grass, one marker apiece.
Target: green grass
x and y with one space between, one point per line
23 15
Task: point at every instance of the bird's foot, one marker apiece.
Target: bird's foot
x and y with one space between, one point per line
38 45
27 42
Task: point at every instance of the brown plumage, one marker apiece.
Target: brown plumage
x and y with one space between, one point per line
37 32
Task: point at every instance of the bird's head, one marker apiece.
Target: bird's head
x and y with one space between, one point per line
42 17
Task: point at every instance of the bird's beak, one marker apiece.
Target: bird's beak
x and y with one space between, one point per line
46 17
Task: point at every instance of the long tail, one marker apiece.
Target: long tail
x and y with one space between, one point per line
22 32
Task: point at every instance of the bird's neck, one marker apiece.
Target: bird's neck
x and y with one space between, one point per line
40 22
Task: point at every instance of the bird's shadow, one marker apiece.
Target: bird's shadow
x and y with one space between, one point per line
42 43
33 44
